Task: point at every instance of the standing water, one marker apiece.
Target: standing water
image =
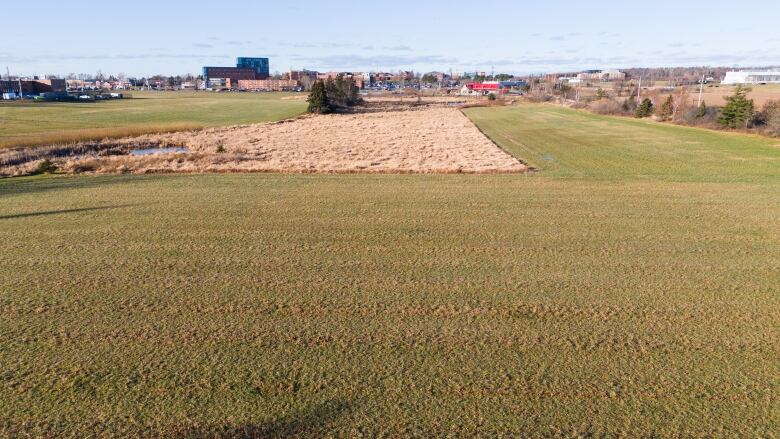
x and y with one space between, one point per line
152 151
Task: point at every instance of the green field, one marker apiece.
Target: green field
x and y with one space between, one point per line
631 287
38 123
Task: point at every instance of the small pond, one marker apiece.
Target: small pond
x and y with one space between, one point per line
151 151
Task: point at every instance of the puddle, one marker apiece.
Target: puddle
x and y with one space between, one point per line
151 151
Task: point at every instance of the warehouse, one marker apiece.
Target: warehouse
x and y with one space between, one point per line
733 78
17 88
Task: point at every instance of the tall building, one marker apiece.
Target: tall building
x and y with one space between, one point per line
261 66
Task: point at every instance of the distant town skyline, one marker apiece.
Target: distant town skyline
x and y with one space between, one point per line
150 38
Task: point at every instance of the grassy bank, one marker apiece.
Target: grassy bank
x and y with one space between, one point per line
567 143
35 123
634 295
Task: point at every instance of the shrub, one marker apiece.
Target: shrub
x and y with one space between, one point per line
773 124
492 97
770 115
629 104
606 106
701 111
46 167
220 147
601 94
645 109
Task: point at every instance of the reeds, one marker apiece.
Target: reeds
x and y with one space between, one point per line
64 137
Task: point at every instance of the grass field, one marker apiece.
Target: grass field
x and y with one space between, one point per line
632 287
36 123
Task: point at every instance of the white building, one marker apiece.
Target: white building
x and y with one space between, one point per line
570 80
733 78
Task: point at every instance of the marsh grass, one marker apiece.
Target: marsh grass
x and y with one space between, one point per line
65 137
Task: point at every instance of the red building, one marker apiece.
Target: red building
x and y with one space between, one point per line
233 74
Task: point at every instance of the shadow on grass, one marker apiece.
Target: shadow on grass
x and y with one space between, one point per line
63 211
36 184
310 422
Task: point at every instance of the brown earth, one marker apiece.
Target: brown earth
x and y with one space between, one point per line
382 139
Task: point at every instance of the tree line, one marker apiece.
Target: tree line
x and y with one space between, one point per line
739 111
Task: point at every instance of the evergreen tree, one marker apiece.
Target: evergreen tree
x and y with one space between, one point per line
318 99
667 109
601 94
645 109
342 92
701 111
738 109
336 92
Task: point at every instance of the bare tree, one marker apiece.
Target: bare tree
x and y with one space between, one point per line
681 102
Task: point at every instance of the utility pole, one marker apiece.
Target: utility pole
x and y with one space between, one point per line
701 89
639 90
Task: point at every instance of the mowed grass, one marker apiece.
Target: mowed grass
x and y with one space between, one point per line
566 143
565 303
36 123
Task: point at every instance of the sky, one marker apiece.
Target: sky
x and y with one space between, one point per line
142 38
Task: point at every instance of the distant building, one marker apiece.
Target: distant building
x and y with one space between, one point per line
751 77
298 75
268 84
569 80
29 87
220 83
601 75
612 75
492 87
260 65
358 78
234 74
247 69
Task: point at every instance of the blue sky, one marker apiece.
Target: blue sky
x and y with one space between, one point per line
174 37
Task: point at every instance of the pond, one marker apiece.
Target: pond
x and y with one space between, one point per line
151 151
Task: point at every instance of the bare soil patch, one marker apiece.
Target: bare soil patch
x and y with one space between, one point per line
379 139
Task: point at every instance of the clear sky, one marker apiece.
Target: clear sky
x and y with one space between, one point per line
143 37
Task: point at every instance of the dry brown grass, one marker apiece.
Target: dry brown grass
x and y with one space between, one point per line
422 139
64 137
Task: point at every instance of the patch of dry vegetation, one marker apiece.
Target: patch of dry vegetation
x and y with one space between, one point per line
66 137
384 139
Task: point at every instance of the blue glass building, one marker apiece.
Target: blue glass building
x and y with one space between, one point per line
260 65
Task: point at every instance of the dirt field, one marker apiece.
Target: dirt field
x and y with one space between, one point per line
389 139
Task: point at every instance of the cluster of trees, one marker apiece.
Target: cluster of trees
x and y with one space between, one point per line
484 78
739 112
429 79
333 95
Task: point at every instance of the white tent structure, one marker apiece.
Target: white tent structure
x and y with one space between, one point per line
733 78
